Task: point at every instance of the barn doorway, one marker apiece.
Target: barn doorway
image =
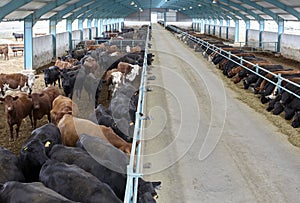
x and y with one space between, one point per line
153 17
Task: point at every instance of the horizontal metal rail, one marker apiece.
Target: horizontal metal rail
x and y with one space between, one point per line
133 169
240 62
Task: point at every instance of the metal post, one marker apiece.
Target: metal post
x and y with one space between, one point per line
101 27
28 52
89 25
280 23
165 19
53 33
69 30
237 31
220 28
247 32
215 24
227 28
261 29
96 26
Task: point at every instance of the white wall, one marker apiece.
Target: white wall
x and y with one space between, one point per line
290 46
42 50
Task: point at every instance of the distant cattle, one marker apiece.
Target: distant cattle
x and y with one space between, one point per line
51 75
18 36
16 81
78 185
42 103
16 48
62 105
17 192
16 109
4 51
10 169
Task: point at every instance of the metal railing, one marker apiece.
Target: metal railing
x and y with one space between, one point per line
241 61
258 46
133 169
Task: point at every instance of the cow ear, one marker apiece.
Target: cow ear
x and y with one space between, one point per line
15 98
156 184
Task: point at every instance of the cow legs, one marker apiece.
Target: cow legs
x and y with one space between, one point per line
11 128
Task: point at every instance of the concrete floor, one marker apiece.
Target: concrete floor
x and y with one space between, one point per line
203 143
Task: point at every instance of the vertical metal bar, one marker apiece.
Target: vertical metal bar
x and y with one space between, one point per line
279 83
53 33
28 53
280 23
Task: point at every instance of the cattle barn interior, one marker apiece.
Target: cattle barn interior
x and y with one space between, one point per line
150 101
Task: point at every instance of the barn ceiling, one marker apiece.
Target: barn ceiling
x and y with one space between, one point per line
11 10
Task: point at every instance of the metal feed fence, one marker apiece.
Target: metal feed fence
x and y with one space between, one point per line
240 62
133 169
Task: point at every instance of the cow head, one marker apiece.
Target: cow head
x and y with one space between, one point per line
296 120
35 98
31 80
146 188
8 100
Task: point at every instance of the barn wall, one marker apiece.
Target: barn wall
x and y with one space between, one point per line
269 38
253 37
223 32
290 46
42 50
85 34
62 43
231 33
75 37
217 30
94 32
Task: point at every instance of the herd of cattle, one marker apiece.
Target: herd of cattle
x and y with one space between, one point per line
279 100
74 159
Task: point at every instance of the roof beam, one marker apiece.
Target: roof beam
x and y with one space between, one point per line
12 6
284 7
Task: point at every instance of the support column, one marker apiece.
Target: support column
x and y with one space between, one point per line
53 33
202 29
28 48
120 24
215 24
89 25
69 30
96 26
101 28
247 32
165 19
227 29
280 23
237 31
80 28
220 28
261 29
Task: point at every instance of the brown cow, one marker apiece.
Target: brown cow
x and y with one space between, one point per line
63 64
16 109
71 127
62 105
4 51
16 81
42 103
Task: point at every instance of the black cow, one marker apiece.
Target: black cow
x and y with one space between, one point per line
35 149
51 75
81 158
104 117
17 192
107 155
10 168
93 87
75 183
68 81
296 120
291 108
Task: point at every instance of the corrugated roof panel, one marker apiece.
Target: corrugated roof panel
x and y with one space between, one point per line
4 2
48 15
33 6
18 15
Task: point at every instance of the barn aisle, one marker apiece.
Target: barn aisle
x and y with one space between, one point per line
203 143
